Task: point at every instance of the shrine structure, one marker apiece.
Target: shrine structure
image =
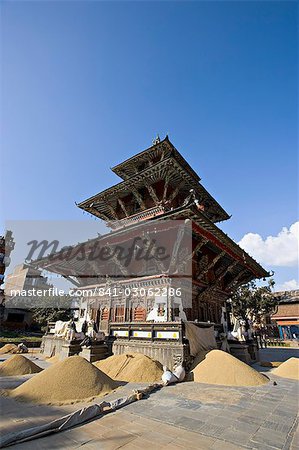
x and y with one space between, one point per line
158 188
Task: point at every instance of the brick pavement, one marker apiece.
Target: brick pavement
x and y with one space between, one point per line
187 415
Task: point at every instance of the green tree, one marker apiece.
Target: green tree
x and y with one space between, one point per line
51 309
253 302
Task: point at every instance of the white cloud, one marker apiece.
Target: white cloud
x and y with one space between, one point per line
280 250
288 286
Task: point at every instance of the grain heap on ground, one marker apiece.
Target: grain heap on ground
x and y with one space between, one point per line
54 359
68 381
18 365
8 348
221 368
133 367
288 369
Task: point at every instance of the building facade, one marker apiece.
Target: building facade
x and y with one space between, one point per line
286 318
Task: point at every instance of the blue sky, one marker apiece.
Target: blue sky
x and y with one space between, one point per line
87 84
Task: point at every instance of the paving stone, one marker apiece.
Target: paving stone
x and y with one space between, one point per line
212 430
281 419
188 404
223 421
284 413
173 446
270 437
138 428
55 442
189 423
222 445
204 416
112 440
236 436
198 443
156 437
250 419
259 446
143 444
276 426
247 427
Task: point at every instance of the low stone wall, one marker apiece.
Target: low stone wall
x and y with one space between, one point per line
167 353
246 352
29 344
51 345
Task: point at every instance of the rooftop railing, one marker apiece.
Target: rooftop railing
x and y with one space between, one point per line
138 217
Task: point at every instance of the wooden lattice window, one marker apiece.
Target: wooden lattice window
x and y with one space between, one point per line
105 314
139 314
119 314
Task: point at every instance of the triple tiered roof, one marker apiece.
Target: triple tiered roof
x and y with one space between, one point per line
155 180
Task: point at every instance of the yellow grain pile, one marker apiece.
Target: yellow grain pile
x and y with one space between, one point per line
54 359
221 368
288 369
18 365
8 348
133 367
71 380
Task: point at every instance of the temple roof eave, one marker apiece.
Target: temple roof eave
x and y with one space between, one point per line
125 187
121 168
204 227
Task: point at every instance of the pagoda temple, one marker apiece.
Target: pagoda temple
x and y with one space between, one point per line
158 190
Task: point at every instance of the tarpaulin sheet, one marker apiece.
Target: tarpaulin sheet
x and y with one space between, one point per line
200 338
71 420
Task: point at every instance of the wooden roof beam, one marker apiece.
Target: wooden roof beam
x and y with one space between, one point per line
139 199
122 205
165 187
176 191
235 280
199 246
152 246
216 283
211 265
152 193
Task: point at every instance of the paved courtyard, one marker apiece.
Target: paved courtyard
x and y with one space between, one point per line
187 415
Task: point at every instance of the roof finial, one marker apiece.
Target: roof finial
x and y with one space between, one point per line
157 140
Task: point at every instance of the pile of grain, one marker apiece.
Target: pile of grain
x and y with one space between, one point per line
8 348
221 368
18 365
288 369
54 359
71 380
133 367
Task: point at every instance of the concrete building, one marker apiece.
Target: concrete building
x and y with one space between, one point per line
287 316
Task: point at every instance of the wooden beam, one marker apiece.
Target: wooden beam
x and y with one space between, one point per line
212 263
216 283
112 211
165 188
228 269
122 205
176 191
199 246
139 198
176 247
160 264
118 263
152 193
236 278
